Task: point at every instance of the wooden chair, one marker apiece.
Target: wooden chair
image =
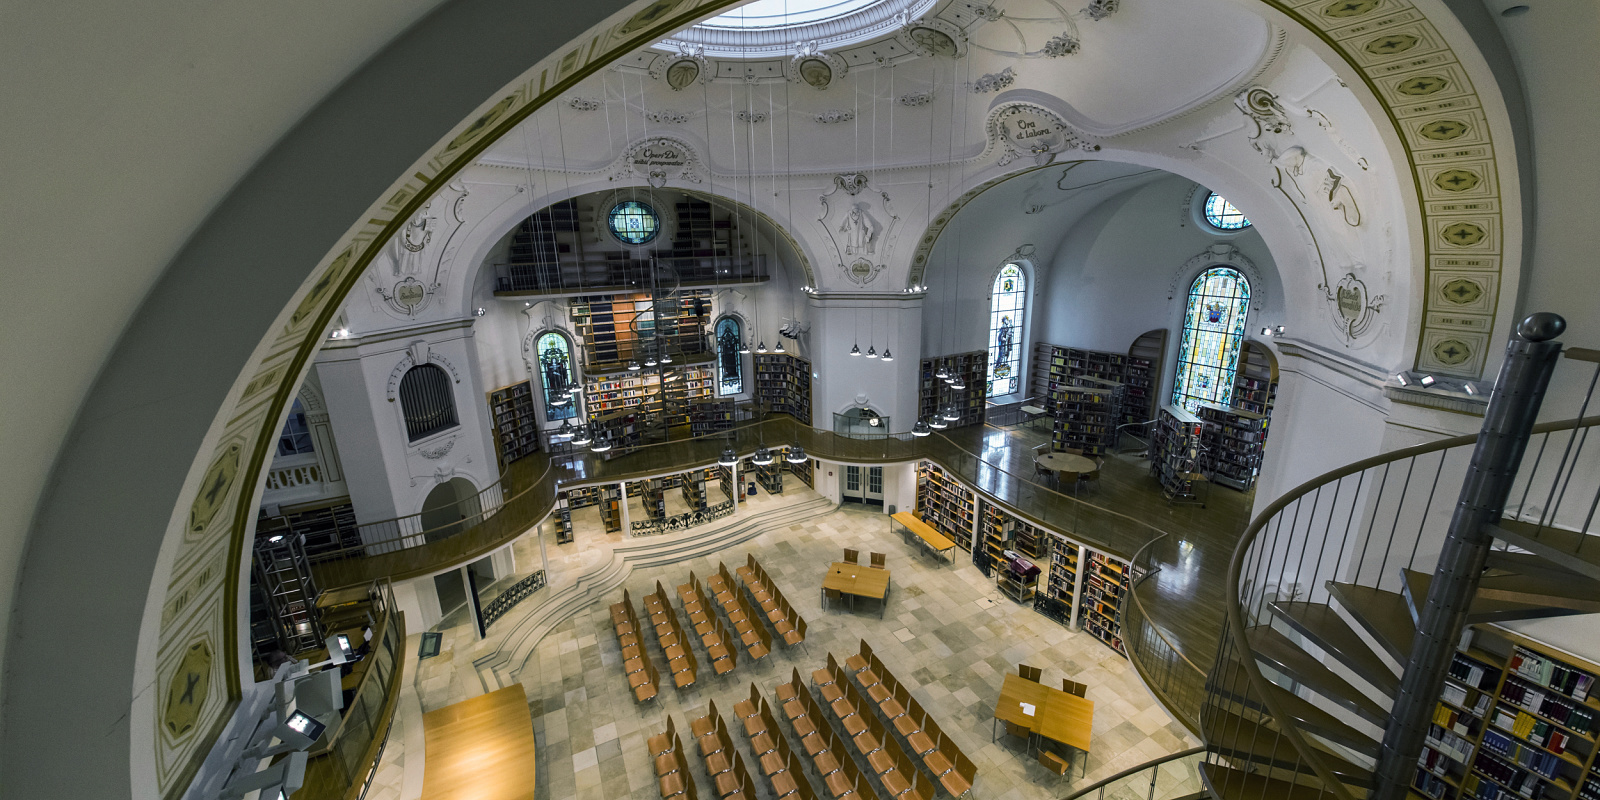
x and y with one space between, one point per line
830 595
1029 673
852 556
1074 688
878 560
662 743
1053 762
1092 476
959 780
1019 731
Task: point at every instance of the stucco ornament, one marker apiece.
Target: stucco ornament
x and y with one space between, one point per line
813 67
1357 309
859 223
419 255
1024 130
684 68
657 160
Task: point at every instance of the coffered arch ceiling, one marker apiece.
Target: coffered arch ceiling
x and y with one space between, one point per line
1436 104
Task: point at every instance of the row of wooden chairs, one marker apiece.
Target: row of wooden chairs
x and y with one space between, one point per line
723 762
789 624
636 665
680 656
708 626
939 753
777 761
843 779
895 770
754 636
854 556
672 768
1035 673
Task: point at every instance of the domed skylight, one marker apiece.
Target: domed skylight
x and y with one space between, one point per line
784 13
771 28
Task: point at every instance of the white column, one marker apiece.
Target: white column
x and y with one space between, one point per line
627 525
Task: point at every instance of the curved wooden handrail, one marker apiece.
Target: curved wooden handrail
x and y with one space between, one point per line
1236 628
1134 770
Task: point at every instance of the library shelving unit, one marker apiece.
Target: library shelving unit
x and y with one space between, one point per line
653 496
1233 439
1004 531
683 390
1054 366
1021 590
609 326
1255 383
1175 454
934 394
516 427
730 491
564 532
1516 720
693 487
609 392
583 496
783 384
1104 580
1058 600
946 505
611 508
804 471
1087 415
1143 376
624 428
710 416
769 477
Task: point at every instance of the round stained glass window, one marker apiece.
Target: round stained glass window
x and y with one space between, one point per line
1222 215
634 222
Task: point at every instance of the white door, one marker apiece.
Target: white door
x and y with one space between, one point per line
873 496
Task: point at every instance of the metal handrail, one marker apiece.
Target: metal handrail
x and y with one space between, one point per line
1132 596
1134 770
1236 628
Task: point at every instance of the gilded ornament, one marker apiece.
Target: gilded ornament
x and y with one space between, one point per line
1422 85
1391 44
1457 180
1343 9
187 690
1463 234
1462 291
214 488
1452 352
1444 130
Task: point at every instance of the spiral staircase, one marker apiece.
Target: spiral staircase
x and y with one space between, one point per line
1331 584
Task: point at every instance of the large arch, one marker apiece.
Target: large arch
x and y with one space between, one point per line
182 510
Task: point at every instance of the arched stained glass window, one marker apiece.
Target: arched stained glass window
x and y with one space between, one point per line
1213 332
730 373
1223 215
634 222
1005 331
555 374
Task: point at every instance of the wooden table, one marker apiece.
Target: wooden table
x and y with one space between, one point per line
480 749
858 580
1065 462
935 541
1056 716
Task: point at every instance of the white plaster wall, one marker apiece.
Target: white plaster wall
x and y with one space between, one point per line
845 381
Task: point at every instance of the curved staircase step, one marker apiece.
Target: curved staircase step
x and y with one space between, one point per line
1384 615
1306 715
1506 597
1571 549
1263 743
1275 650
1227 783
1322 624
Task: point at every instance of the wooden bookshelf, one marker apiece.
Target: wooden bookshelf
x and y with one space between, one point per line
946 505
783 384
516 426
1087 410
693 488
730 490
1003 531
934 394
1105 578
615 329
1058 601
583 497
610 392
805 472
611 508
1175 454
1233 439
624 429
769 477
1143 376
1054 366
1255 384
564 532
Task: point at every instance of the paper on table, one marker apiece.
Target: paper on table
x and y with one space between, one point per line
1027 708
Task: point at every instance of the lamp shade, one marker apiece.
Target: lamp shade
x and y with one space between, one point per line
921 429
728 457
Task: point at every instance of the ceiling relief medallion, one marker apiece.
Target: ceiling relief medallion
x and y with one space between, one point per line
214 486
914 99
585 103
1451 352
812 67
683 69
930 37
666 117
1100 9
1356 308
752 117
1024 130
1064 44
860 225
1461 291
994 81
1444 130
187 690
657 160
835 115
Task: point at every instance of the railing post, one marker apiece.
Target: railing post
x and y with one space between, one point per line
1530 359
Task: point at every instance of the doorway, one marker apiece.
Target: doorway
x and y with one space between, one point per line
862 485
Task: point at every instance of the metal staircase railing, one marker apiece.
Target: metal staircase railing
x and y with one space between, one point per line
1325 589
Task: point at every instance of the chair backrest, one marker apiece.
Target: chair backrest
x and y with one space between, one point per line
693 581
672 730
931 727
1074 688
965 766
833 665
628 600
755 695
1052 762
1029 673
865 651
800 626
878 560
832 594
1073 451
852 556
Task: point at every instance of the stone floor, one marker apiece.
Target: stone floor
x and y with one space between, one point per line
948 635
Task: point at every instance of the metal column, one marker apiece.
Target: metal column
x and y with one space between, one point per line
1530 359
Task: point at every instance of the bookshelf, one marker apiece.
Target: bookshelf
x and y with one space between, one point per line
933 394
946 505
326 526
611 508
623 428
617 328
804 471
652 496
1143 376
516 427
1054 366
1233 438
1087 413
1104 580
1175 454
769 477
729 487
1255 383
622 390
1003 531
783 384
564 532
710 416
693 488
1516 719
583 497
1058 601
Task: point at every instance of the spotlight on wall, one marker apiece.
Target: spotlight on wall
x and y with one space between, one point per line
1426 380
527 304
1470 387
1278 331
1266 331
1402 379
481 311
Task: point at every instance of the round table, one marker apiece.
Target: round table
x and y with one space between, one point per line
1065 462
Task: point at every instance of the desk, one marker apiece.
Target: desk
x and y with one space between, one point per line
480 749
1056 716
1065 462
857 580
935 541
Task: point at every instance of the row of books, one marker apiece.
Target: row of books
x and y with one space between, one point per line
1550 673
1537 700
1522 755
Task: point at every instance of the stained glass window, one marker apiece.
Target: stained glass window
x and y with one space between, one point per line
634 222
1213 332
1005 331
555 374
730 374
1223 215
